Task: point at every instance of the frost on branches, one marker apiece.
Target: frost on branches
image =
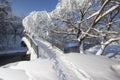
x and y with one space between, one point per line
10 27
37 23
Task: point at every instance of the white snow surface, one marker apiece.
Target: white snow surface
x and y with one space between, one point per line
73 66
40 69
12 74
92 67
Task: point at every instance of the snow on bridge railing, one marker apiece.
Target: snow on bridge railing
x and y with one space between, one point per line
33 44
49 45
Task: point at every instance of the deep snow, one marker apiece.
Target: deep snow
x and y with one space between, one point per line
12 74
40 69
71 66
96 67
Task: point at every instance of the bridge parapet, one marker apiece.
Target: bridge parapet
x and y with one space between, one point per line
33 44
41 48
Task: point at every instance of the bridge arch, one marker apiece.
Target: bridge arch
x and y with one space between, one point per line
27 42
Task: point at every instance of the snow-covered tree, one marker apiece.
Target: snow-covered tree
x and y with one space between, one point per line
10 26
68 14
82 18
37 23
3 16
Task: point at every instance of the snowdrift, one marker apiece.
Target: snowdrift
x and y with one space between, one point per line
71 66
40 69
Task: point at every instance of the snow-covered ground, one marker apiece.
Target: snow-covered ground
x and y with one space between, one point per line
12 74
71 66
58 66
90 67
40 69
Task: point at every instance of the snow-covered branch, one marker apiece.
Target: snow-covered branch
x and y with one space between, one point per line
64 33
103 45
107 12
105 32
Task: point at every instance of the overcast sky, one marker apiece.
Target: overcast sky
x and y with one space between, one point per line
24 7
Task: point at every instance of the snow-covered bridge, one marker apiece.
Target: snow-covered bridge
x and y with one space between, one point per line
39 48
54 65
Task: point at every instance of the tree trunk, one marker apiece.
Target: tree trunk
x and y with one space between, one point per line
81 48
101 50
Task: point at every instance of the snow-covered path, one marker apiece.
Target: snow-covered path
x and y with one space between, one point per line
69 71
47 51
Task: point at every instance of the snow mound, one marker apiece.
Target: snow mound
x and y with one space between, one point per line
73 66
116 68
40 69
12 74
93 67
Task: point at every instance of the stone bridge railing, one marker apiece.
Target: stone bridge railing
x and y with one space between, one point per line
33 44
41 48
